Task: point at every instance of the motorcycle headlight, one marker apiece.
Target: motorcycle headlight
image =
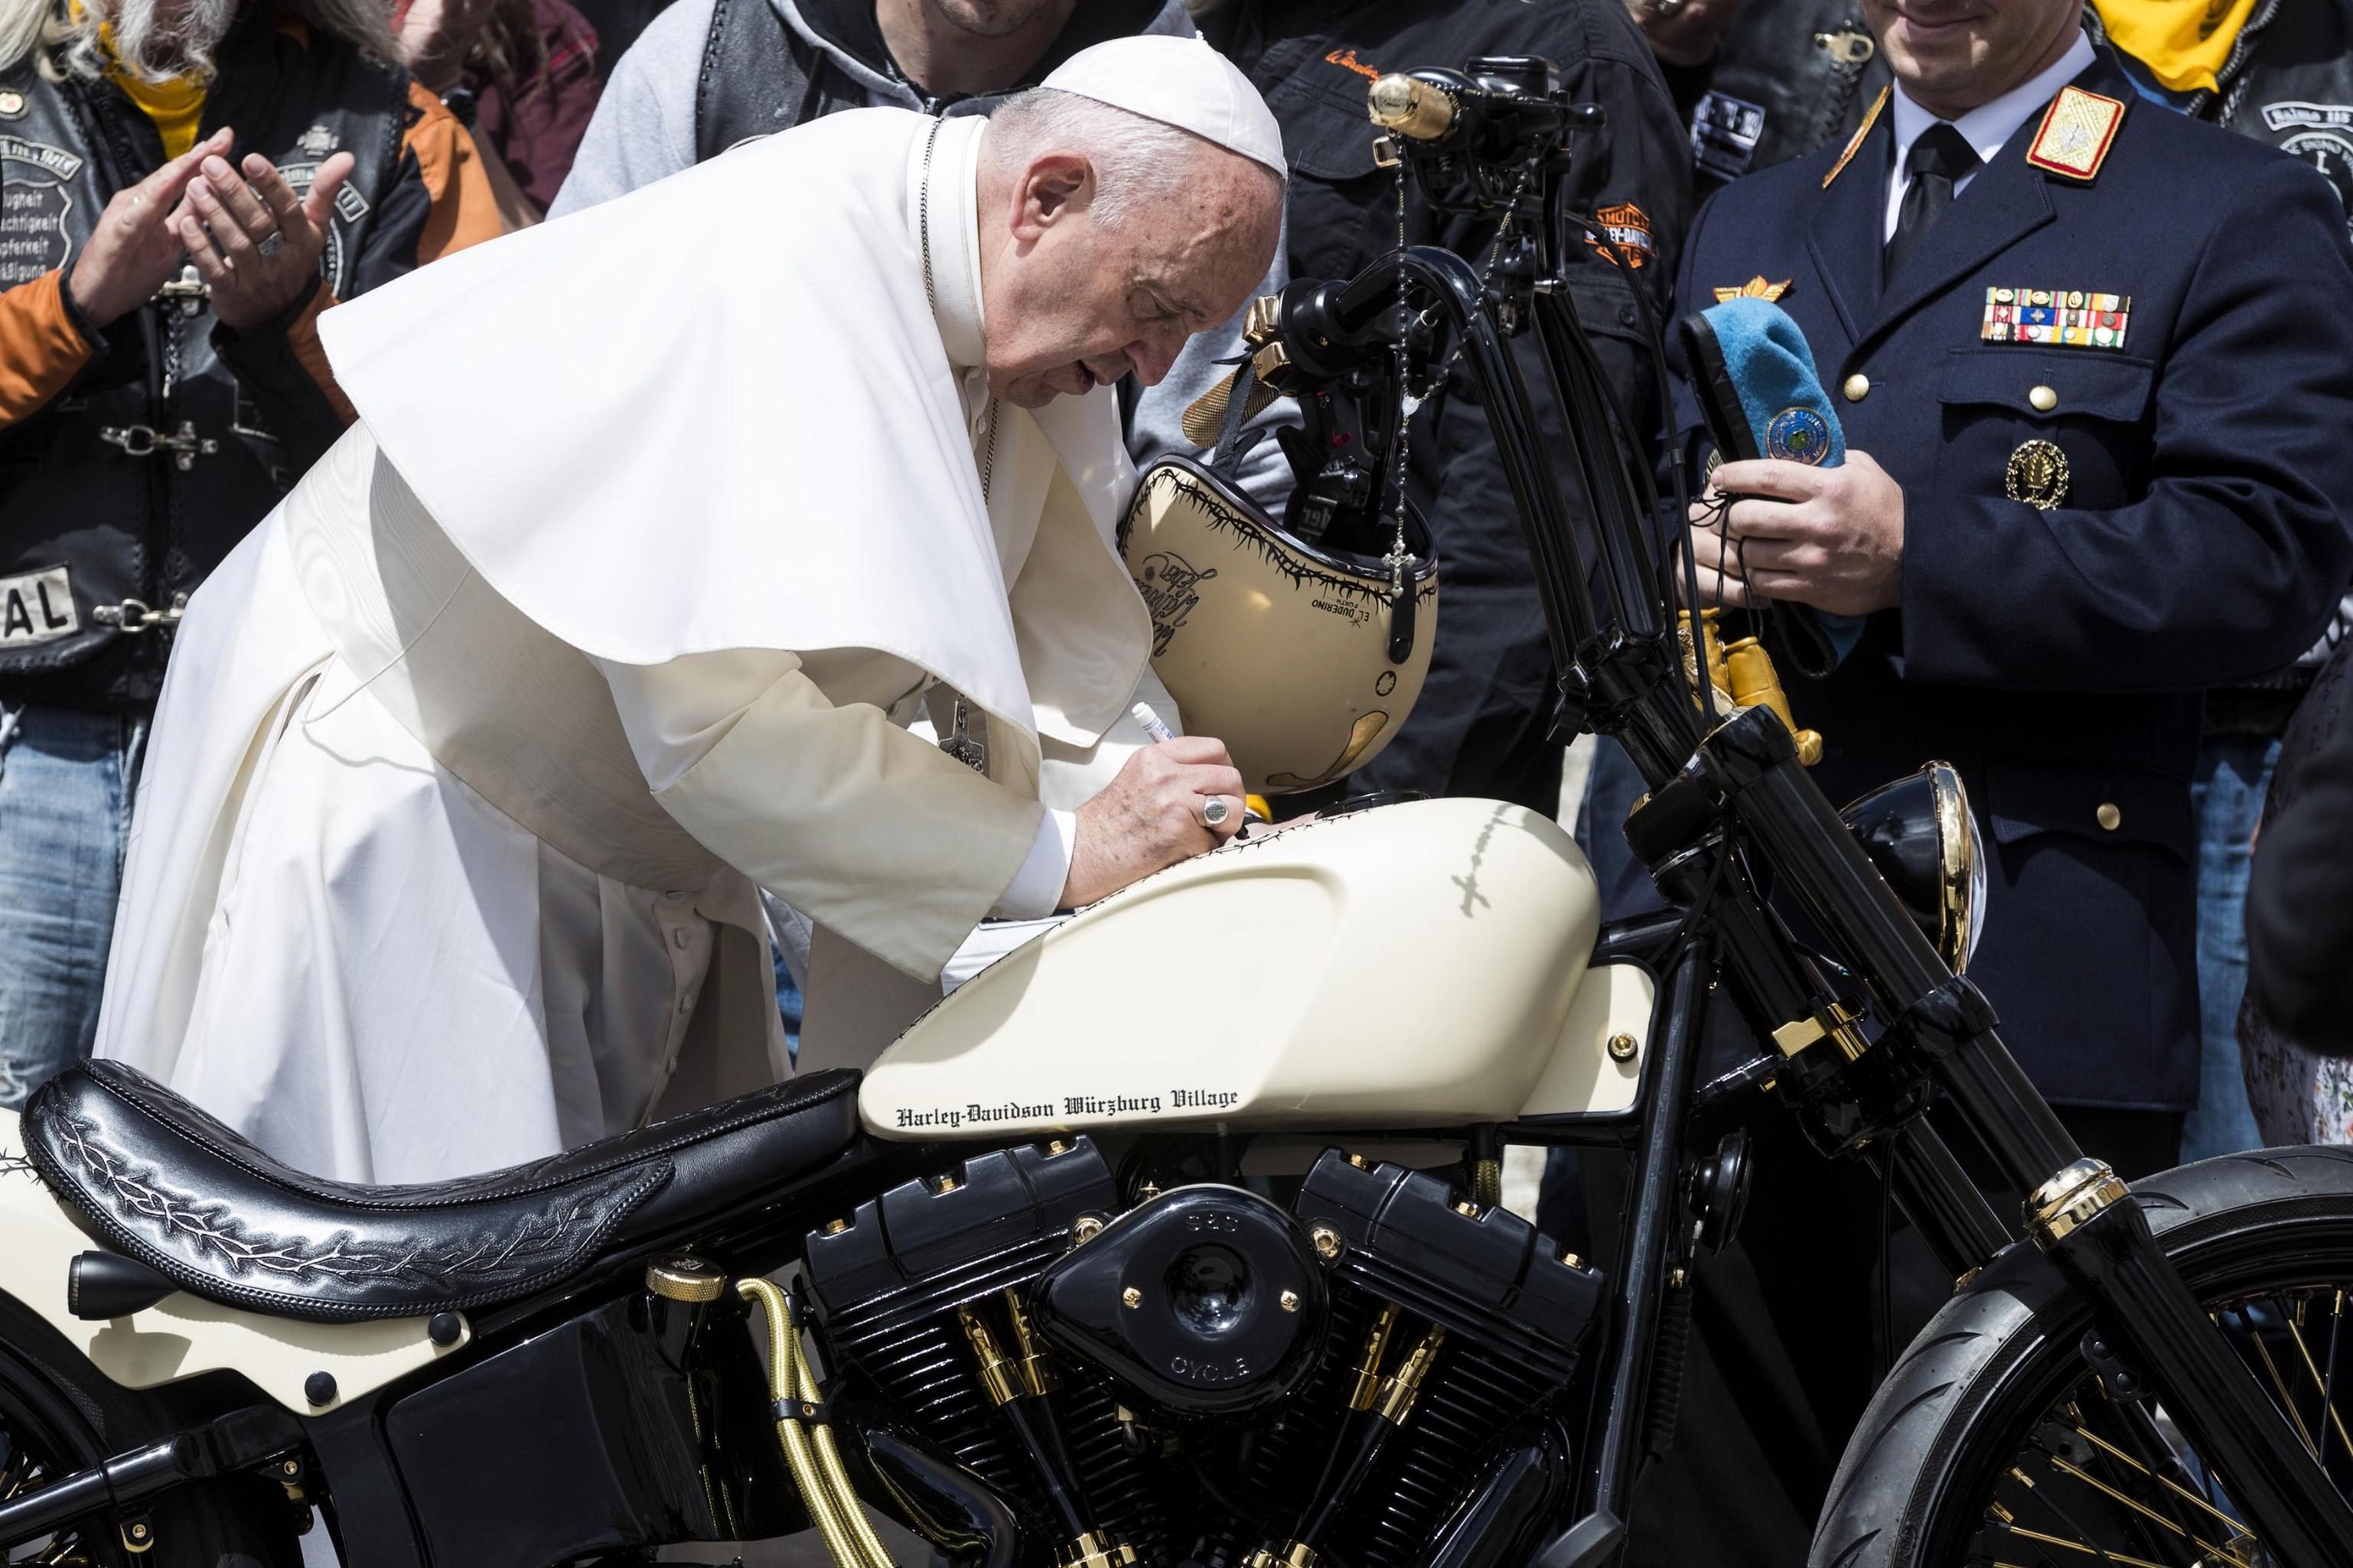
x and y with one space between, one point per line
1920 834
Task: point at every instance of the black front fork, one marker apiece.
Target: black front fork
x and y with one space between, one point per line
2078 1212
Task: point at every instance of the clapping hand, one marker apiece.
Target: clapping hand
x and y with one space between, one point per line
135 247
255 242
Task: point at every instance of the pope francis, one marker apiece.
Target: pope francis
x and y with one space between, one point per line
658 525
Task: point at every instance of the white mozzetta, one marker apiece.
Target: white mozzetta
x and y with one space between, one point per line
772 447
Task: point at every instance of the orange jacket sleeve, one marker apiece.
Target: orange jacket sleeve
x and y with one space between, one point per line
465 207
40 347
302 337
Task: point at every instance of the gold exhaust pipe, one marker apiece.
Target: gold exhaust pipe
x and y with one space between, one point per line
810 1451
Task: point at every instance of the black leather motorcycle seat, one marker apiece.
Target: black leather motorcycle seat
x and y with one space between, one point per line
161 1181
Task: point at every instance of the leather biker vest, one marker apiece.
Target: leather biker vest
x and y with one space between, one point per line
121 494
1789 76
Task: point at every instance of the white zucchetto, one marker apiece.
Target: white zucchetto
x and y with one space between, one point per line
1178 82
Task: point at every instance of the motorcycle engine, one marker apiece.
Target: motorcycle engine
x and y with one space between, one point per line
1203 1377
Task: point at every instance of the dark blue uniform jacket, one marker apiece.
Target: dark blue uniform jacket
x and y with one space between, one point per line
2054 656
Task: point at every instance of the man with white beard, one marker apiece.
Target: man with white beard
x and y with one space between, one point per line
186 187
474 755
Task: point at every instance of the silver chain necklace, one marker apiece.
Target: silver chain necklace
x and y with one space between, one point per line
932 293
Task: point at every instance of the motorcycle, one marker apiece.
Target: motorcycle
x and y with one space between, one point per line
1089 1274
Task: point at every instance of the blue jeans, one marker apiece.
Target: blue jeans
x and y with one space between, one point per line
66 784
2227 796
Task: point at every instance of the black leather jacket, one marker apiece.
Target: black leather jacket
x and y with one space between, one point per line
1788 76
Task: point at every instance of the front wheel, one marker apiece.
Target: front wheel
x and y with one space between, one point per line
1993 1444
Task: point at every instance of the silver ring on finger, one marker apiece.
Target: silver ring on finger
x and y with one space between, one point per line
271 244
1216 811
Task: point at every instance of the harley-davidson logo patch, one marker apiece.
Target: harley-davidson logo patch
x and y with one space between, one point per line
1625 232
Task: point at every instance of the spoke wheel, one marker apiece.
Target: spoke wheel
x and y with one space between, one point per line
2096 1480
1996 1444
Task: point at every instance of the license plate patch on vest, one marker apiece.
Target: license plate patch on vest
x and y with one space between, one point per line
38 607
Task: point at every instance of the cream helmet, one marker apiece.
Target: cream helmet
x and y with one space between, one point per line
1289 653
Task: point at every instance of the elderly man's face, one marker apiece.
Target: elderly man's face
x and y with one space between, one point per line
1077 303
1954 55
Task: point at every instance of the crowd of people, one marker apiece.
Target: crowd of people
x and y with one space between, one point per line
2078 276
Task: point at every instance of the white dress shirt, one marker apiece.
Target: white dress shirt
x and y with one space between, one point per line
1987 128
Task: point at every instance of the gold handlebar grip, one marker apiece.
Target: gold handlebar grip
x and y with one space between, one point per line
1411 107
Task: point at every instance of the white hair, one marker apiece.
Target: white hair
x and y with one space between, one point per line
1139 162
66 45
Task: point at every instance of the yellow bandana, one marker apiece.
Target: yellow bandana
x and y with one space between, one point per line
2182 42
176 104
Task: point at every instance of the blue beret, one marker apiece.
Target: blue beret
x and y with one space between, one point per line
1789 413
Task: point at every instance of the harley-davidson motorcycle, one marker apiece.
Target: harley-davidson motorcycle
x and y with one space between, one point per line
1089 1271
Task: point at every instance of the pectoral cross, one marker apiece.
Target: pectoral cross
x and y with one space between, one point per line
962 745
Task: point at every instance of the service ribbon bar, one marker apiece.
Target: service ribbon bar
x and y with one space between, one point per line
2074 317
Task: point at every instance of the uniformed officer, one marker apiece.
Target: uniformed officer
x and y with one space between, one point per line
2095 366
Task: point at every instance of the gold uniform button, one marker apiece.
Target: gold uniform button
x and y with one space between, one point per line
2044 399
2109 817
1858 387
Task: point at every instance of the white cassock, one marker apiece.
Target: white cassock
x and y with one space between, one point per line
658 522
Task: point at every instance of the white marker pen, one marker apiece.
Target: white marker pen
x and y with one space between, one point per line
1253 808
1143 714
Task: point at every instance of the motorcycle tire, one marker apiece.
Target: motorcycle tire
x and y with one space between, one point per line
1993 1429
58 1414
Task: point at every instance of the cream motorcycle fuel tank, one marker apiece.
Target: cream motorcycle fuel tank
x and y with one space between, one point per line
1410 966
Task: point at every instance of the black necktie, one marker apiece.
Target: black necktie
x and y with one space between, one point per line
1939 159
